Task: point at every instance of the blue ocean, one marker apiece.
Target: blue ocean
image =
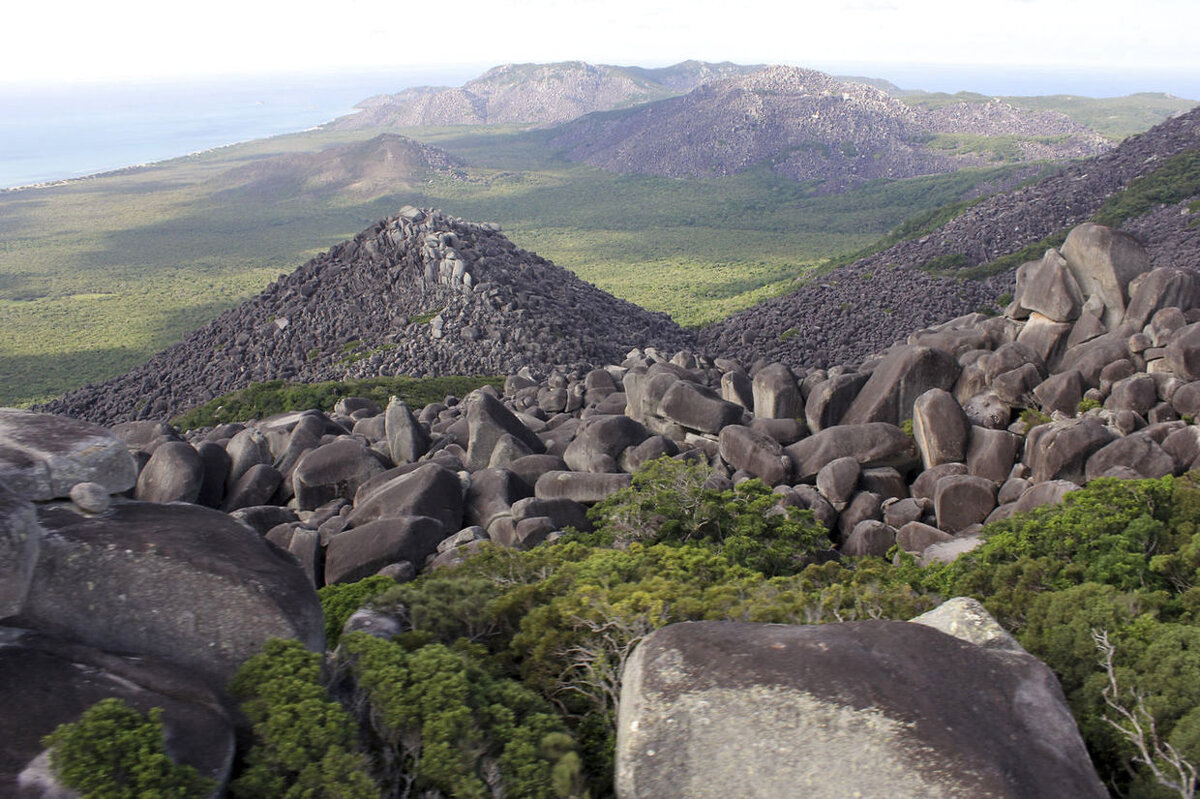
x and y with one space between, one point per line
51 133
56 133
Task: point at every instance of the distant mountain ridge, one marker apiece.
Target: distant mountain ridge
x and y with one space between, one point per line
811 126
539 94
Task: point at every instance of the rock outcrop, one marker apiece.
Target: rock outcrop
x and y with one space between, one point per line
716 709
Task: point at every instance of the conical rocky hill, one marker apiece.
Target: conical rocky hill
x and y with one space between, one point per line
418 294
863 307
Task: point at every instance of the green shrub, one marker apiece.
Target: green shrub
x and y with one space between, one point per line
305 744
114 752
340 600
450 723
1088 404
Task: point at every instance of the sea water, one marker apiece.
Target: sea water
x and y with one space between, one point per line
50 133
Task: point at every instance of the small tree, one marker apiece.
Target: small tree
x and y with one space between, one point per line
1170 769
114 752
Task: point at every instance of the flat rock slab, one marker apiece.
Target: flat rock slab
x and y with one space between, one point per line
42 456
872 709
179 582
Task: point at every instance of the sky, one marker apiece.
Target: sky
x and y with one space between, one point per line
77 42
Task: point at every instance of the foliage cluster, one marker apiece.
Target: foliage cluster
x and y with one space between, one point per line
260 400
305 743
115 752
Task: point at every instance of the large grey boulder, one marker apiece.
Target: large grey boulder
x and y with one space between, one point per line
333 470
48 682
19 541
488 420
1103 261
905 374
721 709
584 488
1138 452
247 448
1060 392
428 490
491 494
754 452
407 439
967 619
600 442
1183 353
873 444
776 395
940 428
991 453
180 582
829 400
1158 289
42 456
362 551
1060 451
1047 287
174 473
698 407
963 500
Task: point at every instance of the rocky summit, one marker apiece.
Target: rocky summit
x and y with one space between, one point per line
420 293
145 562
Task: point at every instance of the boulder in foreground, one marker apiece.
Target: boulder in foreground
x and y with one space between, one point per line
874 708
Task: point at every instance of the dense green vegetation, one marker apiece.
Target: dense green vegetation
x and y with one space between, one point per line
551 628
115 752
260 400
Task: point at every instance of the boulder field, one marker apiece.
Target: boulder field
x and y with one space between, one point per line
143 560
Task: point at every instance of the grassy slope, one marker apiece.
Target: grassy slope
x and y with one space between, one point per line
96 275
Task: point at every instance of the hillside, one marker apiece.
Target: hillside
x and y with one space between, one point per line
383 165
812 127
863 306
416 294
541 94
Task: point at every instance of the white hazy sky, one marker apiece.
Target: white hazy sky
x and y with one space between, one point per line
74 41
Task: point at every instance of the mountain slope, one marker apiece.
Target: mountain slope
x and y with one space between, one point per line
383 165
811 126
418 294
543 94
865 306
